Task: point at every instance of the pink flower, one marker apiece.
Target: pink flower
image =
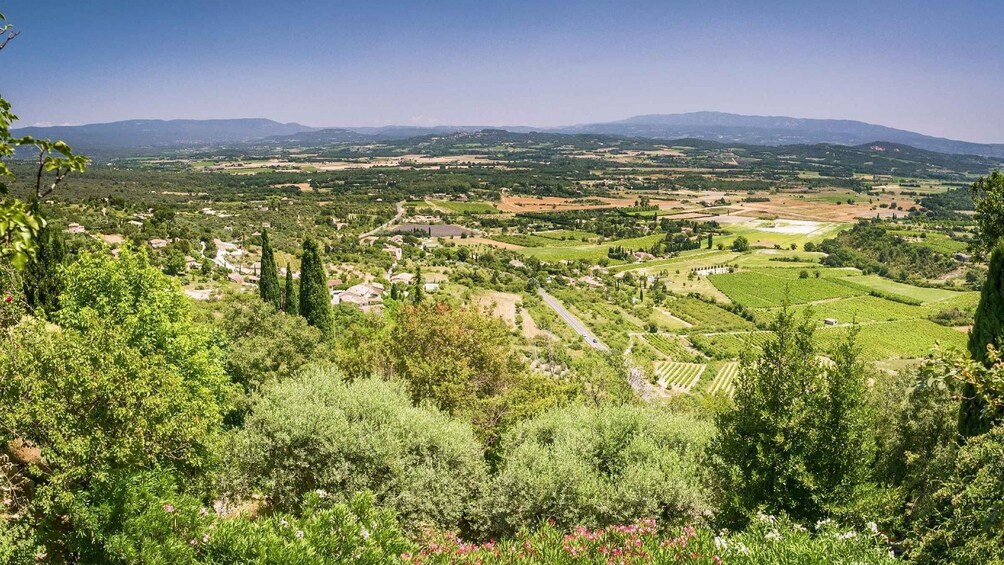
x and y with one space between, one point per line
169 508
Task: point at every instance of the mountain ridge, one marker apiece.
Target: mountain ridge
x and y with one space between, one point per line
721 127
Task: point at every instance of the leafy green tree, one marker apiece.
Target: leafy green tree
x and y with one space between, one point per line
795 439
291 303
601 466
265 345
174 263
148 387
315 302
465 363
43 279
315 431
740 244
148 517
970 528
988 330
988 192
268 278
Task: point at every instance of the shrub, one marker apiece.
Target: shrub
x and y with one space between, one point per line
599 466
315 431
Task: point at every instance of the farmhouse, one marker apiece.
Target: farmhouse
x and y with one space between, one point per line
75 228
394 252
403 278
363 294
158 243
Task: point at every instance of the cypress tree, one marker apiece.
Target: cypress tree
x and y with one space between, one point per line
988 328
315 303
268 281
416 297
42 280
292 305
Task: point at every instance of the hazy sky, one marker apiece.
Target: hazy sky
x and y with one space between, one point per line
934 67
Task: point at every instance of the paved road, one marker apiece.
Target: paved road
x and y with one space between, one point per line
571 320
386 226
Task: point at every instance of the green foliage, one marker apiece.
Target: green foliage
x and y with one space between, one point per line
740 244
146 518
600 466
794 441
970 525
291 302
268 278
148 385
315 302
265 345
465 364
315 431
975 414
988 192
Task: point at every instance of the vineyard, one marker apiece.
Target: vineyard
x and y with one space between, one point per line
679 376
676 348
730 345
724 381
760 289
904 339
858 308
706 316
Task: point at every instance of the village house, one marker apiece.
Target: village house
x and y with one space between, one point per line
402 278
394 252
75 228
362 294
158 243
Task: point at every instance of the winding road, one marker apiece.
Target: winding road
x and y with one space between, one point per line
397 218
572 321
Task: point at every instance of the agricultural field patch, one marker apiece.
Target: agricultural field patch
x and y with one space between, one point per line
903 290
724 380
679 376
705 316
760 289
466 207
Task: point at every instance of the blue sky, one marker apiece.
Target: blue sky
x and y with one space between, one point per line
933 67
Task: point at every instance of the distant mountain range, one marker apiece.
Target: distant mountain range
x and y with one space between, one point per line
137 135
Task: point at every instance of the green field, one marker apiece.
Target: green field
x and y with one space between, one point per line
903 290
679 376
589 252
905 339
761 289
676 348
855 309
724 381
705 316
465 207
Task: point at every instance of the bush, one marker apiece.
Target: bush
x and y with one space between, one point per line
768 541
144 518
600 466
315 431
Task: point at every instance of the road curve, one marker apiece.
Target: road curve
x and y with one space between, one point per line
394 220
572 321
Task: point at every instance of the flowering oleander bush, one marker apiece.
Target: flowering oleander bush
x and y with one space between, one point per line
767 541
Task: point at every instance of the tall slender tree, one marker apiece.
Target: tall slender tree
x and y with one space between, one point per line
416 297
988 329
315 303
43 281
292 303
268 281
